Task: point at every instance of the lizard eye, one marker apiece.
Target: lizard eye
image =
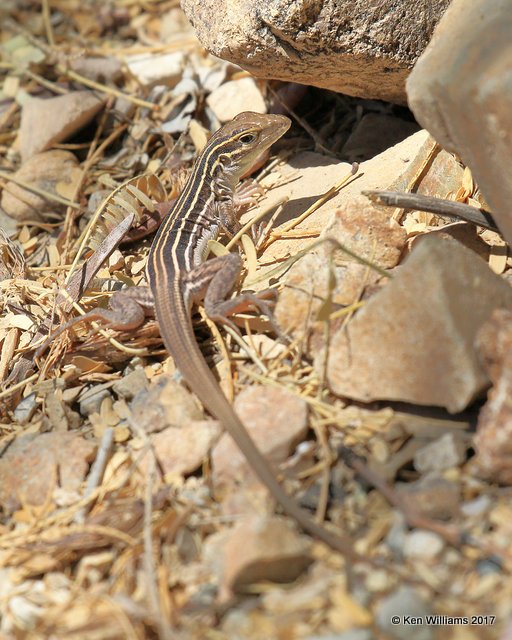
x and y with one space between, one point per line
247 138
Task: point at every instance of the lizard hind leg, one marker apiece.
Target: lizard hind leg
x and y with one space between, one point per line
215 279
127 310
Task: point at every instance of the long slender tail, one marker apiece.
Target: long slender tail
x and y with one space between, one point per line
177 333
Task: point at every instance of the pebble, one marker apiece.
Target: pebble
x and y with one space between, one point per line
90 401
476 507
28 467
263 548
422 545
131 383
25 409
445 452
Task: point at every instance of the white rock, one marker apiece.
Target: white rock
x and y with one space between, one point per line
444 453
422 544
150 69
234 97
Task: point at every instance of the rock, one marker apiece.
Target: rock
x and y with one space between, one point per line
412 340
32 465
276 420
26 409
444 453
263 548
368 232
433 496
150 69
131 384
422 545
182 450
493 440
477 507
165 404
306 287
234 97
47 171
91 400
106 70
460 90
403 602
375 133
47 121
307 176
339 46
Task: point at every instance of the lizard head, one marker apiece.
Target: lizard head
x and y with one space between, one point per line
239 142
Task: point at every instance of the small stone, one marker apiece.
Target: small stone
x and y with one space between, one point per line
264 548
26 409
418 348
100 69
47 171
276 420
90 401
433 496
132 383
395 537
444 453
236 96
477 507
182 450
47 121
33 464
165 404
151 69
377 580
424 545
405 601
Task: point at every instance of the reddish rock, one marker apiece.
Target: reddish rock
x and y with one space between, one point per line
412 341
34 465
263 548
277 421
165 404
182 450
368 232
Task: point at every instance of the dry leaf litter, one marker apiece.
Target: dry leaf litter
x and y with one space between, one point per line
124 509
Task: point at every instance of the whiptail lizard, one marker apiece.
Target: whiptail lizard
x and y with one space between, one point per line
179 276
